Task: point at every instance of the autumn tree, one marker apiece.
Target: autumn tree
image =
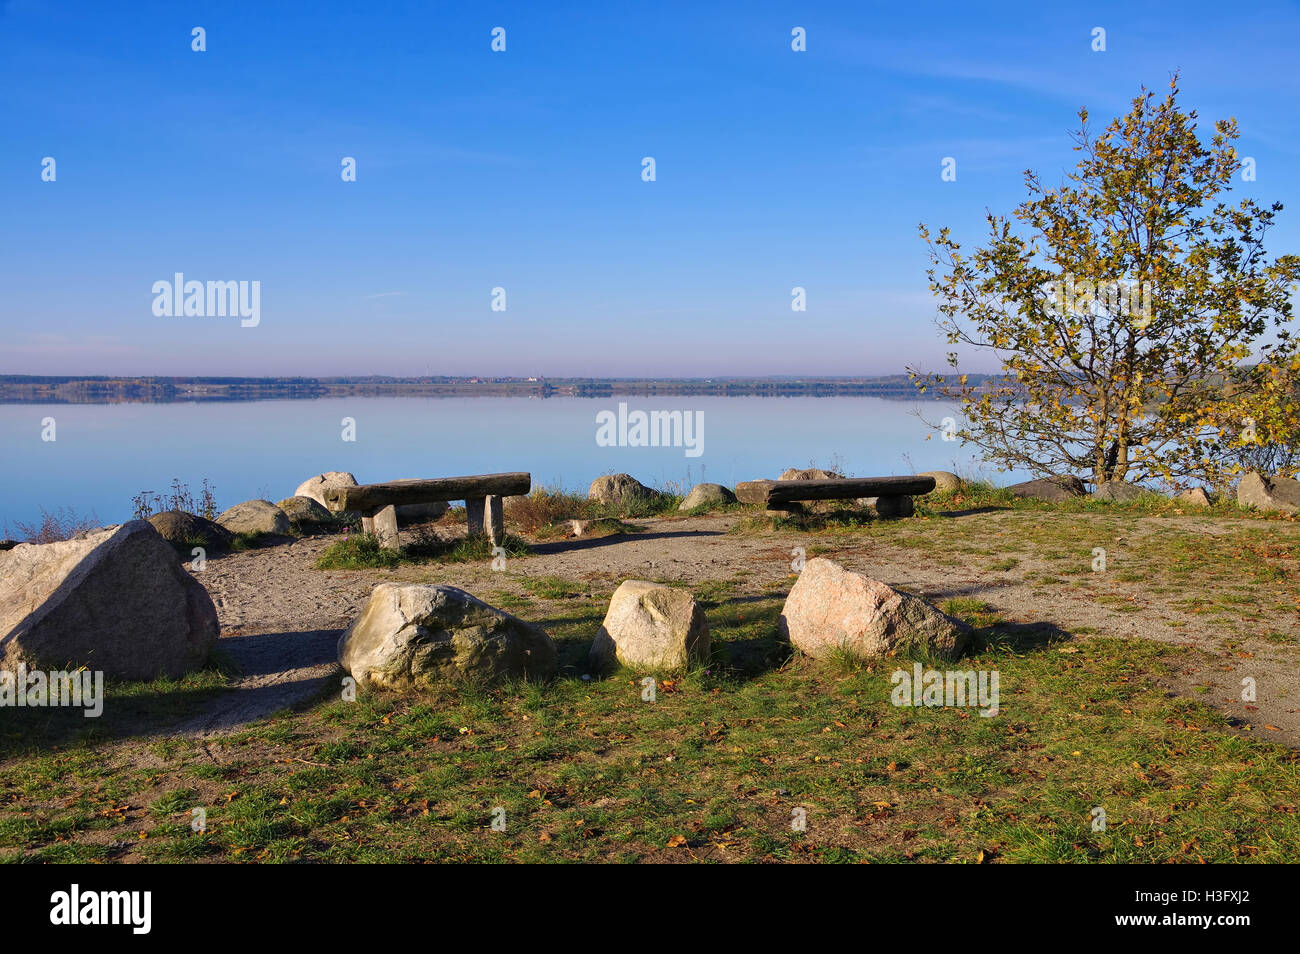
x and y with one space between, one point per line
1127 307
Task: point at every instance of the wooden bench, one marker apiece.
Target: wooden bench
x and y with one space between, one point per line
483 495
893 494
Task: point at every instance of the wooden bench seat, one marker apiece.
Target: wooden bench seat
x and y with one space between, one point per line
787 494
483 495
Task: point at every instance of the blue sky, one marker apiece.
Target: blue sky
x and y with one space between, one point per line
522 170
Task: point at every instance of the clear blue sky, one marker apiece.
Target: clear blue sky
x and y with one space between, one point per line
523 170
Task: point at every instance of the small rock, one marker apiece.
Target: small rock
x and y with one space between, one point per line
651 626
1119 490
1196 497
184 530
707 495
616 489
889 508
255 516
945 482
1051 489
830 608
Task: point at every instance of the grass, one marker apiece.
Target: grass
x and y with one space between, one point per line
361 551
585 770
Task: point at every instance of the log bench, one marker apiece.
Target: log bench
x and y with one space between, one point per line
483 496
893 495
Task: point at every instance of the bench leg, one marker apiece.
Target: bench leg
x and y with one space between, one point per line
367 524
386 528
474 516
496 520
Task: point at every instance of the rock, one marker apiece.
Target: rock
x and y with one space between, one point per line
619 489
650 626
752 491
255 516
408 514
1269 493
830 608
888 507
813 473
316 486
1051 489
186 530
707 495
808 473
416 635
1196 497
115 600
945 482
1119 490
305 511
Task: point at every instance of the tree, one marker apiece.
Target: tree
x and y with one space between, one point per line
1123 306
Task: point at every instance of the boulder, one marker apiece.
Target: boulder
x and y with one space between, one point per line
1051 489
255 516
186 530
616 489
707 495
1269 493
1196 497
416 635
115 600
888 507
812 473
830 608
650 626
809 473
1119 490
945 482
305 511
316 486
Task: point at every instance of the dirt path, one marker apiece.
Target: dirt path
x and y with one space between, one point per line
281 618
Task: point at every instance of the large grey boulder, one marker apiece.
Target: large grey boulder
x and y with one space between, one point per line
808 473
1052 489
832 609
305 511
416 635
315 487
1269 493
617 489
115 600
945 481
186 530
650 626
255 516
707 495
1119 490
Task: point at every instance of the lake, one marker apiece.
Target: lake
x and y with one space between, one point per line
103 454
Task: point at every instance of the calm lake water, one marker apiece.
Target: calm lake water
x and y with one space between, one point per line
102 455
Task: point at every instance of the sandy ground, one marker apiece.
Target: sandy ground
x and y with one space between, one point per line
281 618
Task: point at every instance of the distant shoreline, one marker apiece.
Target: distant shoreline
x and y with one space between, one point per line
71 389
